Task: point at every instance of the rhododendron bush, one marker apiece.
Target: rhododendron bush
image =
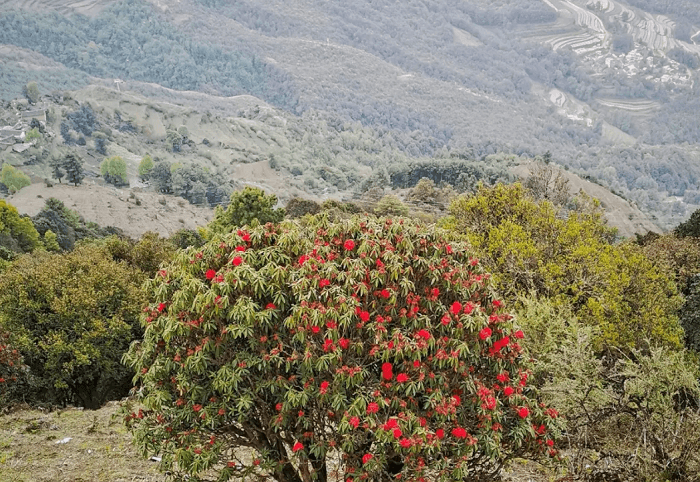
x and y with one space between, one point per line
362 350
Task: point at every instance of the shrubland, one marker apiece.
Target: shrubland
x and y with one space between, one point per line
364 347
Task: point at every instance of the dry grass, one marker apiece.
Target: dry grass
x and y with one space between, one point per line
99 450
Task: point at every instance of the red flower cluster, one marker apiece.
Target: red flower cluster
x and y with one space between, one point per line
485 334
349 245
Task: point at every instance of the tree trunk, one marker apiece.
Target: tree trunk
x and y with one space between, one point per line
319 466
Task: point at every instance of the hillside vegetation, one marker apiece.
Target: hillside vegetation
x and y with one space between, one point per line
608 88
518 319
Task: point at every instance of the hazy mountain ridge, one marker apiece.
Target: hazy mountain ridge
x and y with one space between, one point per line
473 78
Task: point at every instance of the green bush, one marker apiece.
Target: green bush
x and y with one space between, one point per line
145 167
371 342
573 261
31 92
13 178
632 417
298 207
246 207
17 233
391 205
113 169
72 316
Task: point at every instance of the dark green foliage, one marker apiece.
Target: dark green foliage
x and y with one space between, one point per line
464 174
72 316
83 120
101 145
184 238
73 166
67 225
298 207
146 255
689 228
248 206
161 177
133 42
690 314
197 185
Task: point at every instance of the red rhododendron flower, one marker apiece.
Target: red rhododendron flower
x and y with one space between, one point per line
237 260
485 333
364 316
550 443
372 407
278 407
270 306
523 412
503 377
508 391
210 274
397 433
331 325
468 308
519 334
422 421
391 423
324 387
315 329
240 249
416 364
435 292
386 367
406 443
197 408
231 464
440 433
297 447
344 343
323 283
161 307
385 293
354 421
456 308
497 303
401 378
349 244
459 432
425 334
366 458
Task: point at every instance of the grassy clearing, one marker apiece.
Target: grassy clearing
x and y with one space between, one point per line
99 450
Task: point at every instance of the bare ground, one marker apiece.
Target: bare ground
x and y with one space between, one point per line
99 449
108 206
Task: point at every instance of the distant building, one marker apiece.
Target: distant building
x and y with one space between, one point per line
38 114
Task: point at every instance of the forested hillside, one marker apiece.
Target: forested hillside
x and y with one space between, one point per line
609 88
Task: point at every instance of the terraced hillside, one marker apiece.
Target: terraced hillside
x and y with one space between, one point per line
609 88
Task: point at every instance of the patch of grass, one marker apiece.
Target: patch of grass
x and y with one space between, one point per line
99 450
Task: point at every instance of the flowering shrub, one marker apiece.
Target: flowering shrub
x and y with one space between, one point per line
376 343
